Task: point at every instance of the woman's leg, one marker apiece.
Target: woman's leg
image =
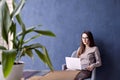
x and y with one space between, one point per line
83 74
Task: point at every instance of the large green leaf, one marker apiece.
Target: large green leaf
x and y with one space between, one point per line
29 52
18 8
5 21
33 46
28 49
44 57
40 55
26 31
47 58
2 48
46 33
8 58
32 38
22 25
12 29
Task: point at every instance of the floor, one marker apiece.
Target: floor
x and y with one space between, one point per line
28 73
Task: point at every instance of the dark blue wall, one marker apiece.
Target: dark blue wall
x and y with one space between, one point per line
68 19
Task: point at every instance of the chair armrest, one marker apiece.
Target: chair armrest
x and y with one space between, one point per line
93 76
64 67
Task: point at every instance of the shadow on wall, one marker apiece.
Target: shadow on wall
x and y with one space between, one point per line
106 71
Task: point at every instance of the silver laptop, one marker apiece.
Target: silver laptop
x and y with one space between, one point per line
73 63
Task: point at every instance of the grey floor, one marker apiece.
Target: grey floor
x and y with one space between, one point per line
29 73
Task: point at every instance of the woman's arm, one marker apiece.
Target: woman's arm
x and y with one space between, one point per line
97 59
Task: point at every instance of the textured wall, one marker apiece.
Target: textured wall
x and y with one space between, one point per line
67 19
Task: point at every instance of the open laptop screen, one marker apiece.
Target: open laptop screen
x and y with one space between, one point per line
73 63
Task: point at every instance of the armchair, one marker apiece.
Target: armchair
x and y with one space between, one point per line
93 75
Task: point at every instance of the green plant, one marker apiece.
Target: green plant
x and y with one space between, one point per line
20 47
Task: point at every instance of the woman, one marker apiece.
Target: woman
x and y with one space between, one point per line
88 54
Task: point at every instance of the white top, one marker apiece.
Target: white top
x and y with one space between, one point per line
91 57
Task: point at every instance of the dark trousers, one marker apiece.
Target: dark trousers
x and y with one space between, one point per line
83 74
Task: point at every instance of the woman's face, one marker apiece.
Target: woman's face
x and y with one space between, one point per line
85 39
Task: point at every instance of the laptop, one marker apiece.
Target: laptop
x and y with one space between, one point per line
73 63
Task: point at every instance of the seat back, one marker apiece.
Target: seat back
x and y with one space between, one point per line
74 54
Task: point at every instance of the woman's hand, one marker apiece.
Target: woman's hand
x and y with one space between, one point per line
90 67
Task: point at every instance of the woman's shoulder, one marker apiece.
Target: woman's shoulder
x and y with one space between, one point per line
95 47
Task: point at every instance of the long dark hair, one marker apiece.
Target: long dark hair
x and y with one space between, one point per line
82 46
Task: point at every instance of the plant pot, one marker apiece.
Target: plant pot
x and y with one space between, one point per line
15 74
